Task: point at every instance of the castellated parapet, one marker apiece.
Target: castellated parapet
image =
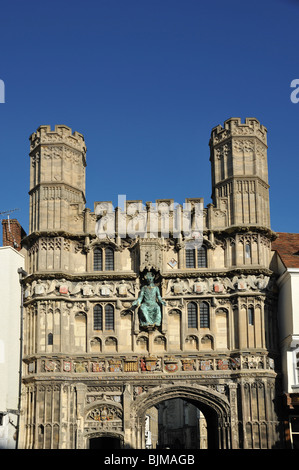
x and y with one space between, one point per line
235 127
60 134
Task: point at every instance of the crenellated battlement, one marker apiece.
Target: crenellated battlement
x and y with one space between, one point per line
234 127
60 134
57 177
238 155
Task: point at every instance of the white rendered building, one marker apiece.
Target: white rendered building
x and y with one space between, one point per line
287 259
11 261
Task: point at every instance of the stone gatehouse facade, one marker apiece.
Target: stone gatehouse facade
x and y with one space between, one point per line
92 370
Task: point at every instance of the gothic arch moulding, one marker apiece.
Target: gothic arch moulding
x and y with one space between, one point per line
194 393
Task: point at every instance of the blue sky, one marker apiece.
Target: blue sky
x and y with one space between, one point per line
145 81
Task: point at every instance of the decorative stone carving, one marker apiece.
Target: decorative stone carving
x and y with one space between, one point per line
104 413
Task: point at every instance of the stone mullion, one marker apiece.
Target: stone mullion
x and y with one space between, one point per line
52 415
32 332
29 421
28 321
234 415
181 257
182 326
262 320
251 414
245 417
258 405
33 418
264 382
26 420
69 416
139 434
80 395
31 413
35 331
44 416
89 325
270 417
65 416
240 325
230 327
127 401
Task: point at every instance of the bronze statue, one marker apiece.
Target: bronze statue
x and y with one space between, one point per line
148 303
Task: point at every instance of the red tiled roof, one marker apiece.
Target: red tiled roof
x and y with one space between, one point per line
287 246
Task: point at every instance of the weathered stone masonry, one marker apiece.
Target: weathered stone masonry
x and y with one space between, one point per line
89 369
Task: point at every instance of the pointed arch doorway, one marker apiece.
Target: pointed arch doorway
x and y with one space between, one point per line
203 404
105 442
183 424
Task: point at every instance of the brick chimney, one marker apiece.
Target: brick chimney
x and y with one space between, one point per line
12 233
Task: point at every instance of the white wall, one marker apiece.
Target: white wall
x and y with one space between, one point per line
288 323
10 302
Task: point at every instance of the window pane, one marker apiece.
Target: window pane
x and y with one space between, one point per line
109 317
97 260
97 318
109 259
192 315
204 315
202 257
190 258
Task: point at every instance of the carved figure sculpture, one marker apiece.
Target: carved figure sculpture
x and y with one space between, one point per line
148 303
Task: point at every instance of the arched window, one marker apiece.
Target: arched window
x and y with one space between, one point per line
109 259
192 315
204 314
190 258
98 259
109 317
202 257
98 317
196 258
103 259
250 315
50 339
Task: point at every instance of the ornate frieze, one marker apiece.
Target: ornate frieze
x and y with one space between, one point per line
159 364
87 289
218 285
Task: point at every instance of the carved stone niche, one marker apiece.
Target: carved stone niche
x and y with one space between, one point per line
150 252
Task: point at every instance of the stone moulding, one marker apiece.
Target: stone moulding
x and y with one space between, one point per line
149 366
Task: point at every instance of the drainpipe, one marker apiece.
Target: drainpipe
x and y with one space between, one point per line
22 275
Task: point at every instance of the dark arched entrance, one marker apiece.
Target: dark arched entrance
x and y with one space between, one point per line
186 424
213 405
104 442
